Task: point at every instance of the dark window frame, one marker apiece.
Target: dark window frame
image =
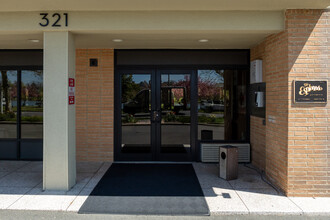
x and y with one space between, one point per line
18 138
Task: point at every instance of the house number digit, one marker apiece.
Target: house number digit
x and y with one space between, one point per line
55 19
44 17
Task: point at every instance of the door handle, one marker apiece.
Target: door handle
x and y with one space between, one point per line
155 116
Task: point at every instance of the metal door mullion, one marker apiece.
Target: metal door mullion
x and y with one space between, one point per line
157 107
193 114
18 112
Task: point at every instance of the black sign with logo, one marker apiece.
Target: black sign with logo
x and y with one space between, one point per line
310 91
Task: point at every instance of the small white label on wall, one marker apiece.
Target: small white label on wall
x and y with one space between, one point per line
271 119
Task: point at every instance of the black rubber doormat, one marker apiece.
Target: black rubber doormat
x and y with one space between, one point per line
147 189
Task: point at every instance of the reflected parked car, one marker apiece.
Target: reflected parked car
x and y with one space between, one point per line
173 99
212 105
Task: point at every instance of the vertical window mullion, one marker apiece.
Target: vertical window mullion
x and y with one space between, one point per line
19 80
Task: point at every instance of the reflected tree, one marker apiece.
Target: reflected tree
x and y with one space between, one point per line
32 91
210 84
5 91
129 87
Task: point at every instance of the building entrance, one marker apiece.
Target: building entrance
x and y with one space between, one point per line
156 115
169 102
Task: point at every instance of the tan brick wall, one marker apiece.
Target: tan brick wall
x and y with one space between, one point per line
269 143
297 146
258 142
277 109
257 129
94 105
309 124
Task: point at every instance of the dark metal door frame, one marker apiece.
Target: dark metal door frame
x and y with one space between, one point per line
35 154
155 154
118 155
193 115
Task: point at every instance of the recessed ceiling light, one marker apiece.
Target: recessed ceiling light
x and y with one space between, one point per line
117 40
34 40
203 40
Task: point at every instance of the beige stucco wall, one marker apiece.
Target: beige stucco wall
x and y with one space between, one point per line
133 5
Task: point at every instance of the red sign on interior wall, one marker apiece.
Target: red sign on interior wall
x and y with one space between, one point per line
71 91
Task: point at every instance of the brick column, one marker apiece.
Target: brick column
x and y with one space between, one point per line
297 139
309 124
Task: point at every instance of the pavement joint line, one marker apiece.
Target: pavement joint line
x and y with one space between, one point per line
23 187
94 174
296 205
83 187
15 169
239 197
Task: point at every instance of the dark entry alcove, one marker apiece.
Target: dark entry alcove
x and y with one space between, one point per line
159 111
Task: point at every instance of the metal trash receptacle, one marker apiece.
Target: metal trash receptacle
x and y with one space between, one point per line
228 162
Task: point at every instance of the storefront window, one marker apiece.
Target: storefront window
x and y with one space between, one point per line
222 104
8 109
32 104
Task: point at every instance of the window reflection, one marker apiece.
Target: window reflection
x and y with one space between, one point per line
8 106
175 106
135 115
32 104
222 104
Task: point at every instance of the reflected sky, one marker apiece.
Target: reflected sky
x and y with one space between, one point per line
211 75
173 77
29 76
12 76
138 78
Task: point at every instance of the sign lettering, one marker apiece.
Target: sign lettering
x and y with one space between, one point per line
310 91
55 19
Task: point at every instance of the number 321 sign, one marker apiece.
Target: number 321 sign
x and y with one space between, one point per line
54 20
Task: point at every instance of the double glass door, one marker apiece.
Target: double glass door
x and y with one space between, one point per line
154 115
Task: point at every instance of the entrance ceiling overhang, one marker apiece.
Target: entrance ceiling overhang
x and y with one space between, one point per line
146 40
150 30
143 5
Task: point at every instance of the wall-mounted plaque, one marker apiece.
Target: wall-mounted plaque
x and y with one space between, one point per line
310 91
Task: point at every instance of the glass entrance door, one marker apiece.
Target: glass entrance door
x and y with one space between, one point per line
136 129
174 102
155 117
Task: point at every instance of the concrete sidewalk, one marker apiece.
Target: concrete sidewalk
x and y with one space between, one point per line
249 194
21 189
32 215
